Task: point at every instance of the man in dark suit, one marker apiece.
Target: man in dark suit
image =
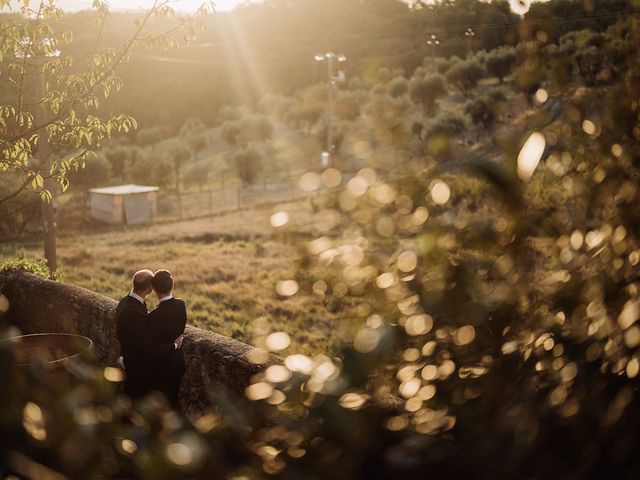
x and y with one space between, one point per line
166 323
139 349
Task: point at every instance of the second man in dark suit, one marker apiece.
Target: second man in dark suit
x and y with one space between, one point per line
166 324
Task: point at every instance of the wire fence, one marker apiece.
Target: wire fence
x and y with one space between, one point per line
207 202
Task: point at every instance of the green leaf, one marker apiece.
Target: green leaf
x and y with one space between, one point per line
45 196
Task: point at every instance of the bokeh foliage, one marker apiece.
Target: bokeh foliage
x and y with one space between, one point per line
498 301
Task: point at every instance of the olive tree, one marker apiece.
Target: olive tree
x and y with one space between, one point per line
500 62
194 135
465 75
427 90
398 87
248 164
178 155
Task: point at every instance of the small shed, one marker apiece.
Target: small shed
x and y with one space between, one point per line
124 204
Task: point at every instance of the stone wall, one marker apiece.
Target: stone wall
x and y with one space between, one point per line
217 369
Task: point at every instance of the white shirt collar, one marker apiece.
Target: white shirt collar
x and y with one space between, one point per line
167 297
137 297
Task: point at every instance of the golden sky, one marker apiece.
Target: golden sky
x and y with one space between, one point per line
184 5
519 6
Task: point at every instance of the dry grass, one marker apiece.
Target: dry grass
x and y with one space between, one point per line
225 268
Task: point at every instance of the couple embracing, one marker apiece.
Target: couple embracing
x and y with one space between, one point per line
151 342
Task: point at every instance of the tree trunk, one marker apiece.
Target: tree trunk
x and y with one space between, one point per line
179 192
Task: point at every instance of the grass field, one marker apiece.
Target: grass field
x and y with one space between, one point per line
226 268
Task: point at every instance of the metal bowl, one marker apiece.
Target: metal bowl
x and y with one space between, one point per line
53 350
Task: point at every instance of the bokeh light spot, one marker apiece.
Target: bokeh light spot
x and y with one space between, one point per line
257 356
420 216
352 401
385 280
129 446
113 374
440 192
179 454
530 155
465 335
410 387
4 304
632 337
33 421
357 186
299 363
331 177
277 374
287 288
278 341
407 261
418 324
576 239
366 340
589 127
279 219
309 182
541 96
259 391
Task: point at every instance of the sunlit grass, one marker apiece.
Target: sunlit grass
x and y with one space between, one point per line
226 269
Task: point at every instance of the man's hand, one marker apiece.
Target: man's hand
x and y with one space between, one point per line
178 342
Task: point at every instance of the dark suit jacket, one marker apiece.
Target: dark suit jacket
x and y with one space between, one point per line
138 347
166 323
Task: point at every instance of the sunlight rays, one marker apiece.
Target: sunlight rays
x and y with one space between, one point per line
251 75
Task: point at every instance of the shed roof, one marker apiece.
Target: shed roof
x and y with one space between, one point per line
125 189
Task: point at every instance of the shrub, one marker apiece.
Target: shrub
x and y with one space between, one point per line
151 136
589 60
427 90
230 132
500 62
36 266
398 87
347 107
248 164
446 123
485 109
96 172
465 75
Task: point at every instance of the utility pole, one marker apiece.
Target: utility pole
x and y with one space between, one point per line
332 79
469 33
433 42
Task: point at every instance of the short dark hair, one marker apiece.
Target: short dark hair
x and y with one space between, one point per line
142 280
162 281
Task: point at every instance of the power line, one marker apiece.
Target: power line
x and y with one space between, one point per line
496 26
160 58
299 61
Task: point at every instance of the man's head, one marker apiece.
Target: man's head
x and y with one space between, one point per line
142 282
162 283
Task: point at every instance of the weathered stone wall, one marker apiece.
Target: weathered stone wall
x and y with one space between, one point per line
217 369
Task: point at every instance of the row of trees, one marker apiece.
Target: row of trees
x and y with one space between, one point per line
154 158
590 55
385 33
